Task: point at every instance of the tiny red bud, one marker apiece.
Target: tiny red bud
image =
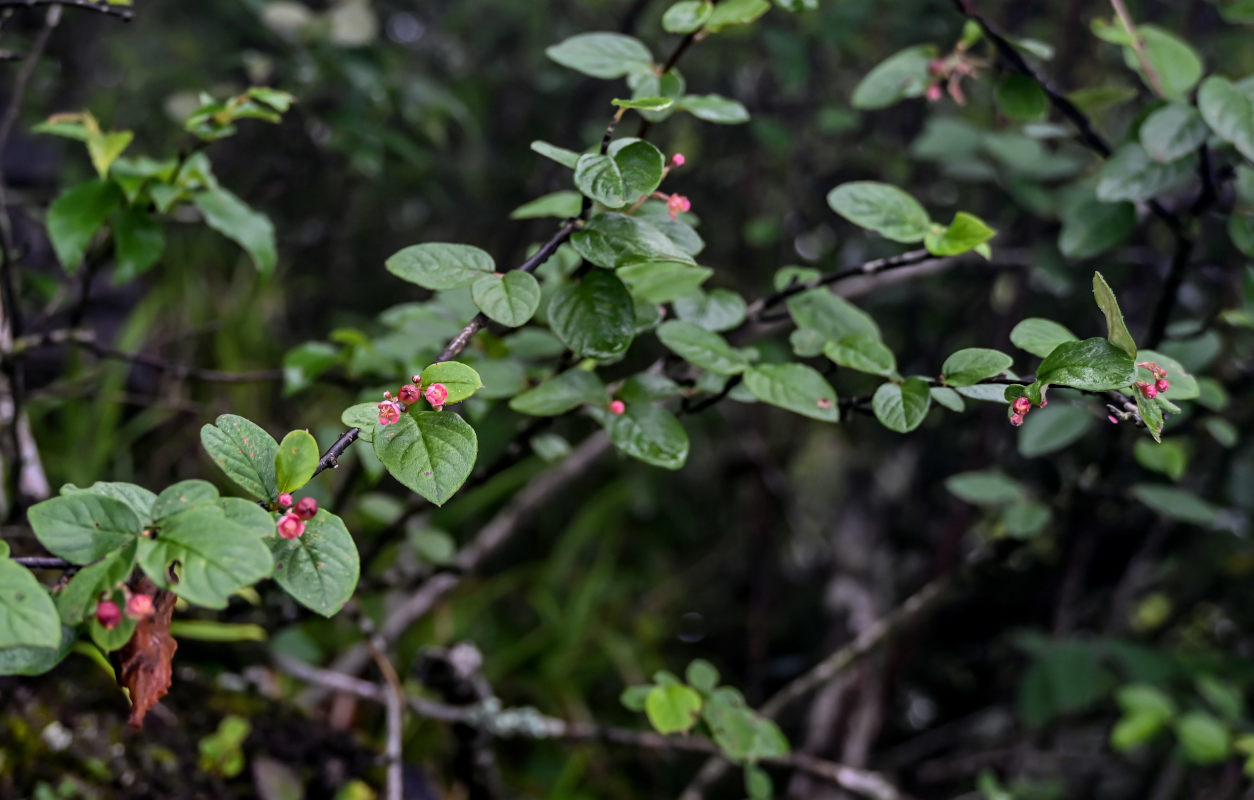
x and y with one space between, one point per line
290 525
1113 419
306 508
285 500
1016 420
1162 384
1150 392
408 394
436 394
678 160
139 606
935 93
1022 405
618 407
108 614
417 379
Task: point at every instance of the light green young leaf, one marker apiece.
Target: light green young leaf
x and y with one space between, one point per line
237 221
885 209
674 708
295 461
974 364
736 12
460 380
794 387
902 407
645 103
432 453
1117 329
967 232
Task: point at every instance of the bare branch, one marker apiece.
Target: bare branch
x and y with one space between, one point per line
109 9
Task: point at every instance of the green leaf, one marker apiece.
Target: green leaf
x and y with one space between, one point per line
714 108
663 281
758 783
362 416
28 617
1091 227
641 164
1172 132
902 407
320 568
902 75
76 216
567 158
647 387
1183 385
965 233
36 660
1093 365
138 243
1178 67
974 364
556 396
304 363
440 266
985 488
1204 738
864 353
1117 330
248 515
616 240
716 310
1025 520
633 697
295 461
184 496
949 399
701 675
600 179
650 434
245 452
137 498
687 16
595 317
78 598
1229 112
83 526
1152 415
237 221
1053 428
1175 503
882 208
460 380
430 452
563 204
1040 336
1130 174
795 387
703 348
1021 98
1171 458
736 12
672 709
217 557
602 55
829 315
509 298
645 103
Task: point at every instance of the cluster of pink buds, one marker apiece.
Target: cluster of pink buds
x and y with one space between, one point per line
946 75
676 204
292 524
391 408
1020 408
1160 384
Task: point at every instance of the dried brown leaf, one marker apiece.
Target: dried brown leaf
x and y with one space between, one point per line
145 660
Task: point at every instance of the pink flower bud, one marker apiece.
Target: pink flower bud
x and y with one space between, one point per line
1162 384
417 379
1113 419
408 394
436 394
285 500
139 606
935 93
306 508
677 204
1022 405
389 412
678 160
1016 420
108 614
618 407
1043 402
290 525
1150 392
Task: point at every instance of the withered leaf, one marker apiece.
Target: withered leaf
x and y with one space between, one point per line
145 660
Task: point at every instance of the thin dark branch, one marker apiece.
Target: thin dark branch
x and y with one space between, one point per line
869 268
109 9
43 562
331 458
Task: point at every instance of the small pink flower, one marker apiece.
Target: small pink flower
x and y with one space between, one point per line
1016 420
389 412
678 160
618 407
1022 405
108 614
677 204
408 394
285 500
436 394
935 93
139 606
290 525
306 508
